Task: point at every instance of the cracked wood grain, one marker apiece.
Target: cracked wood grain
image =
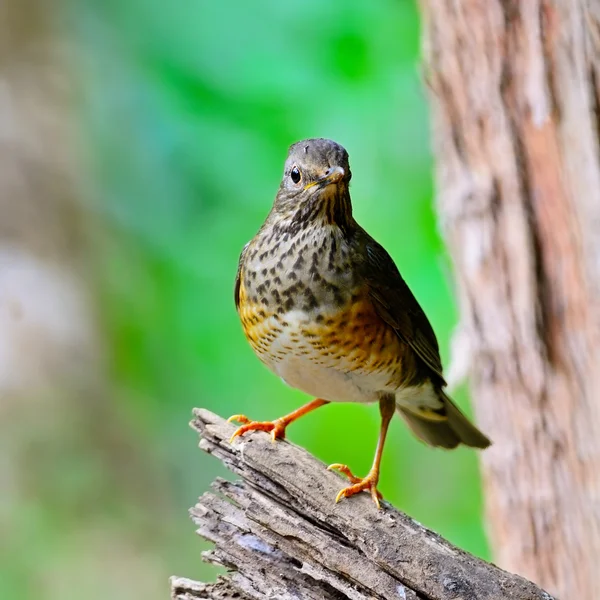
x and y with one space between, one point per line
514 95
281 535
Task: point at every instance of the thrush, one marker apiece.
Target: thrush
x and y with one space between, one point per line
324 306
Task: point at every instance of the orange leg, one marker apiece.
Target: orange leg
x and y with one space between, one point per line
387 407
276 427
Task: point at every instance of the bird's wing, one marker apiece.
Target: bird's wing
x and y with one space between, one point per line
396 305
236 293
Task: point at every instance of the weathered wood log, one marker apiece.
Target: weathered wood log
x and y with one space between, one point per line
281 534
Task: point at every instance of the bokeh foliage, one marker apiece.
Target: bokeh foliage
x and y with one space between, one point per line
187 111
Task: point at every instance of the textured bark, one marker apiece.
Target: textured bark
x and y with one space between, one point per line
283 536
515 106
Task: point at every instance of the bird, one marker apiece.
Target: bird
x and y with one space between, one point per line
324 306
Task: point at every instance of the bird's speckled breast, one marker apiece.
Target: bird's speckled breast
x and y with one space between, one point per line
309 319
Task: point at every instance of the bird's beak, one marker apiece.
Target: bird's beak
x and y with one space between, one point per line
333 175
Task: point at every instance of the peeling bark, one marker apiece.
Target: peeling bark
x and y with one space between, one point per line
281 535
515 103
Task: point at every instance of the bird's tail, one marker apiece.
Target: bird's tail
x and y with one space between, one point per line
446 427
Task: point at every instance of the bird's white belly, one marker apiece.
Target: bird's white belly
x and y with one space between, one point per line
325 382
312 371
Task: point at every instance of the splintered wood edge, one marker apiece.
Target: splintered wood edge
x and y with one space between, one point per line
187 589
286 500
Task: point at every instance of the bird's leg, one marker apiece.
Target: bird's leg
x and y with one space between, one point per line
276 427
387 406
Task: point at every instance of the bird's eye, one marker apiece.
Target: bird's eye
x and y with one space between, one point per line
295 174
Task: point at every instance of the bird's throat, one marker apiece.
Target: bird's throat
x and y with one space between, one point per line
330 206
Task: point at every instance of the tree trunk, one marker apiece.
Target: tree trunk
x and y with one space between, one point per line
516 108
67 458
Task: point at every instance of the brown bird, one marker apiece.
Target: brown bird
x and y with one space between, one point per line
324 306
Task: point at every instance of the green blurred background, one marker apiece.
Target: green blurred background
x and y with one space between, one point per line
185 114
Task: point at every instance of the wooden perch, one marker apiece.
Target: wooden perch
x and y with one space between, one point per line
282 536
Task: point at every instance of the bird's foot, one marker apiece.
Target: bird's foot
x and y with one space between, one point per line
277 427
359 484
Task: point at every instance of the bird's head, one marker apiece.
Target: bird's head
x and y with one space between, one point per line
315 184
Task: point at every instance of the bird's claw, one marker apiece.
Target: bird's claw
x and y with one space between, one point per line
368 483
276 428
238 418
